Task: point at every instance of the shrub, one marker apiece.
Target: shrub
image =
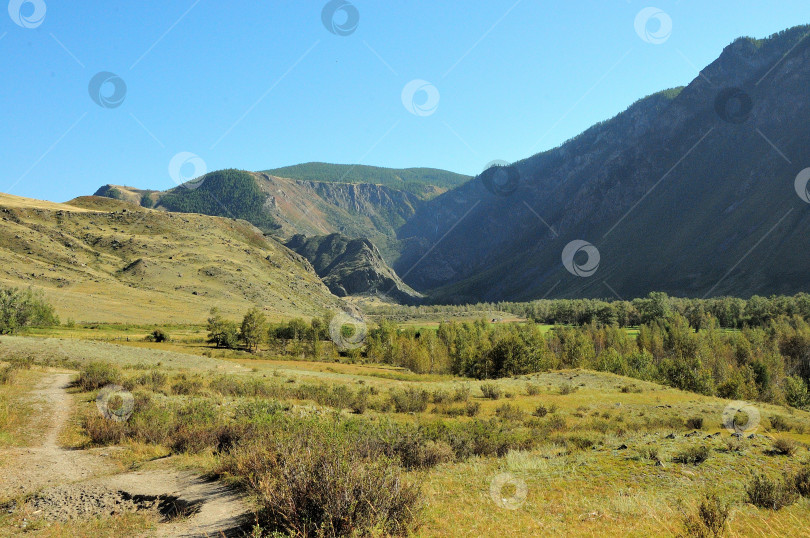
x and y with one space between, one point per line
650 453
694 423
461 393
567 388
541 411
360 402
801 481
97 375
440 396
784 446
779 424
158 335
24 308
763 492
7 374
311 482
410 400
509 412
491 391
710 520
532 389
471 409
694 455
103 431
187 385
153 380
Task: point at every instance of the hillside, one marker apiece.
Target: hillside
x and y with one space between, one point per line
688 191
413 180
98 259
352 267
319 200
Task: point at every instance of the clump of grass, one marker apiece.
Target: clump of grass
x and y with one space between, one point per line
764 492
491 391
801 481
626 389
710 519
650 453
410 400
97 375
694 423
440 396
693 455
783 446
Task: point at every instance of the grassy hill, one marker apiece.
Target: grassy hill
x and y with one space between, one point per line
98 259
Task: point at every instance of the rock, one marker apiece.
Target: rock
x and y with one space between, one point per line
670 436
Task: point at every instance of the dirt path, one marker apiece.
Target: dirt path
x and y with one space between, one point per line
86 478
25 470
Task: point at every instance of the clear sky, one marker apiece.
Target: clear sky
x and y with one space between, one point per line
261 84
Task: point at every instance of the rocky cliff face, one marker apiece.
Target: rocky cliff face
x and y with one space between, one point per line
352 267
673 193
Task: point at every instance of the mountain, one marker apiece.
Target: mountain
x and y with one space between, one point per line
352 267
689 191
312 199
424 182
135 263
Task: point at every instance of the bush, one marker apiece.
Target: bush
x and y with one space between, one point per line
693 455
7 374
532 389
311 482
710 520
97 375
783 446
779 424
24 308
763 492
491 391
410 400
158 335
650 453
461 393
509 412
440 396
103 431
541 411
567 388
471 409
694 423
801 481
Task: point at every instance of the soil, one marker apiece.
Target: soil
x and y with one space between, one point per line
61 484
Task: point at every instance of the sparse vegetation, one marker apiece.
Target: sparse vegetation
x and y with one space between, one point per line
693 455
764 492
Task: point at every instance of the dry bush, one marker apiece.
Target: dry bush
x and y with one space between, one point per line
410 400
97 375
710 520
783 446
532 389
509 412
694 423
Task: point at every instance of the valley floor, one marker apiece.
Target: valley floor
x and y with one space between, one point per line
608 469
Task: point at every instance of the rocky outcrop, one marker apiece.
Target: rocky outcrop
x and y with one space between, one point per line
352 267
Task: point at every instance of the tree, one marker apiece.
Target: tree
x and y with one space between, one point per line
221 332
252 330
24 308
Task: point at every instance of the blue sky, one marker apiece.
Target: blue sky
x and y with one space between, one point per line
262 84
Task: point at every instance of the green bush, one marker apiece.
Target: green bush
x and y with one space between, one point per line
491 391
764 492
24 308
509 412
97 375
710 520
410 400
801 481
158 335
